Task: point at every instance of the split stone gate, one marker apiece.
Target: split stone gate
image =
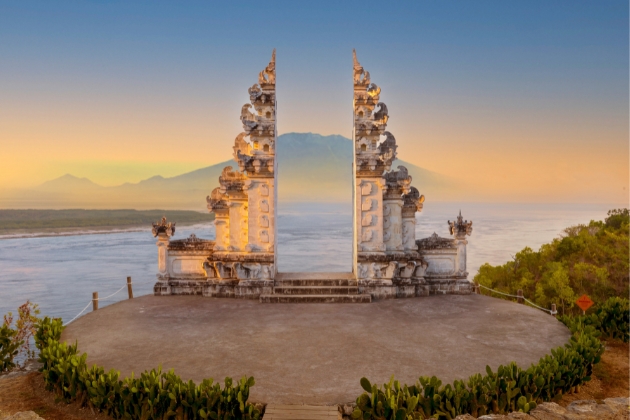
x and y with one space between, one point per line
388 261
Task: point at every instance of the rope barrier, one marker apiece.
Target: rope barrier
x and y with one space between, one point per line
536 306
496 291
79 314
515 296
104 298
107 297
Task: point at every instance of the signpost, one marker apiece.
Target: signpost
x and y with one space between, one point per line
584 302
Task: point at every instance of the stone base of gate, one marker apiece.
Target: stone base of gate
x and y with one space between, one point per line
240 289
253 289
401 288
449 286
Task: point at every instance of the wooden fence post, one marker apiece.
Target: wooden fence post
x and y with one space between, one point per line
95 301
129 288
553 310
519 293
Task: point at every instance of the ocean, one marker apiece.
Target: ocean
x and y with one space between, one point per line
60 273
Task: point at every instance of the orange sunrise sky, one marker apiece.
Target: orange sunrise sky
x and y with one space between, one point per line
520 103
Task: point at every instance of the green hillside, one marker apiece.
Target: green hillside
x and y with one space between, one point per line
77 218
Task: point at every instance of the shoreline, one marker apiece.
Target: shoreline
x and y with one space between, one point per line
78 231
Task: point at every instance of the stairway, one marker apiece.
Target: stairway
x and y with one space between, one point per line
315 288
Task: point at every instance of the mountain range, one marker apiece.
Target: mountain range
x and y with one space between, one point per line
311 168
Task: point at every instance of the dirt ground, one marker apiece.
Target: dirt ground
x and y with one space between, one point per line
25 392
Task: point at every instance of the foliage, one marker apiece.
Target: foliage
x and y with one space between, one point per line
15 342
154 395
79 218
508 389
9 348
611 319
587 259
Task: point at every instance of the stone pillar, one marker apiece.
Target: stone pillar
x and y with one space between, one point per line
238 223
222 229
163 230
162 244
392 224
460 260
413 202
460 229
369 209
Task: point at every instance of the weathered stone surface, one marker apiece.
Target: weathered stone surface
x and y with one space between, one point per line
24 415
610 409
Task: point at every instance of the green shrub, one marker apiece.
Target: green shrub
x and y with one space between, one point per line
508 389
154 395
8 348
612 319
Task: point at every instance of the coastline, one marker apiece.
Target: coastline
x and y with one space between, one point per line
77 231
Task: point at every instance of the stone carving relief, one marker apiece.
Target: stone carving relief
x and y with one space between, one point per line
441 266
367 204
368 220
435 242
263 221
366 188
264 206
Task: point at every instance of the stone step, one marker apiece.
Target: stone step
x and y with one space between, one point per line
315 276
316 290
315 279
315 282
300 412
315 298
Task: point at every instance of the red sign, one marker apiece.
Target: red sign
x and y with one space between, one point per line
584 302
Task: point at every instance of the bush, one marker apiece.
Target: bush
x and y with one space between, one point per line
154 395
508 389
612 319
587 259
8 348
15 342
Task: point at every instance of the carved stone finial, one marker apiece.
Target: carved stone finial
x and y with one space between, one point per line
461 227
216 200
355 61
387 149
268 75
163 227
413 199
361 77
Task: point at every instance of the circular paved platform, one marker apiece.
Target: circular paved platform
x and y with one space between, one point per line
315 353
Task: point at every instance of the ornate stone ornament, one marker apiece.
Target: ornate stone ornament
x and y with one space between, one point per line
461 227
163 227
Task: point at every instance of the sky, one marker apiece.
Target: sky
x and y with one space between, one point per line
523 101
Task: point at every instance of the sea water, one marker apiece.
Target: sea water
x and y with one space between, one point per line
60 273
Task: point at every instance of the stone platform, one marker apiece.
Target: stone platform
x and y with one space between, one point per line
315 353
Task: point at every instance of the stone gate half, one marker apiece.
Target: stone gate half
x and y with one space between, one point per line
388 261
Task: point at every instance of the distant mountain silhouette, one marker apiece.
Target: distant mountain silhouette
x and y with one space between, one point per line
311 167
68 183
